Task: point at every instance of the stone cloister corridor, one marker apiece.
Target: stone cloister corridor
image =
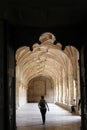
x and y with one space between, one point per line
49 70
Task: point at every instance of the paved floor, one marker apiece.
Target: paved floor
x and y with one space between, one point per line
28 117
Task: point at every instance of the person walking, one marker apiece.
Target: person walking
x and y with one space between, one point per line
43 106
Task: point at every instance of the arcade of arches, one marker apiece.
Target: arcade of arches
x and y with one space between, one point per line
47 70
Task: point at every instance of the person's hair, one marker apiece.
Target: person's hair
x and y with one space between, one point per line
42 97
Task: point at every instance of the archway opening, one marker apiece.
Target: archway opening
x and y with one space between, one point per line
47 70
44 86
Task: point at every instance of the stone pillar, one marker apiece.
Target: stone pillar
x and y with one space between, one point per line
17 94
2 80
58 89
78 85
17 86
64 87
61 87
60 95
83 89
70 84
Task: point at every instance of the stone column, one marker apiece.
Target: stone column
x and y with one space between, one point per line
64 87
70 83
3 77
60 95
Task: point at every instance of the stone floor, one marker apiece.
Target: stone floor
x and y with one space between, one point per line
28 117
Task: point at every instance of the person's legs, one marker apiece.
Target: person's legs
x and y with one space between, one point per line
43 113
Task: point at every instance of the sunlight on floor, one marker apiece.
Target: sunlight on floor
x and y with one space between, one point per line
28 117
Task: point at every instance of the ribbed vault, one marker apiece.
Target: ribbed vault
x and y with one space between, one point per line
47 60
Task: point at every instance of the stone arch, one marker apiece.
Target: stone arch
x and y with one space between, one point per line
38 86
47 59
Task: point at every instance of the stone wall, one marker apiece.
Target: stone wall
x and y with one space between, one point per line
1 76
40 86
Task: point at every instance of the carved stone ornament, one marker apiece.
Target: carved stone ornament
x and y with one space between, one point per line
47 37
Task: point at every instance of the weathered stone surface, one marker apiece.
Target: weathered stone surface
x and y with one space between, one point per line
48 70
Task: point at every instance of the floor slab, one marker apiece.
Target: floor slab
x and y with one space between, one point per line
28 117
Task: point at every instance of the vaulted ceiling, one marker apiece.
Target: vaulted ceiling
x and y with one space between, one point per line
46 59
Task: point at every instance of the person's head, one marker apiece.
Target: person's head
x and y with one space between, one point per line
42 97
